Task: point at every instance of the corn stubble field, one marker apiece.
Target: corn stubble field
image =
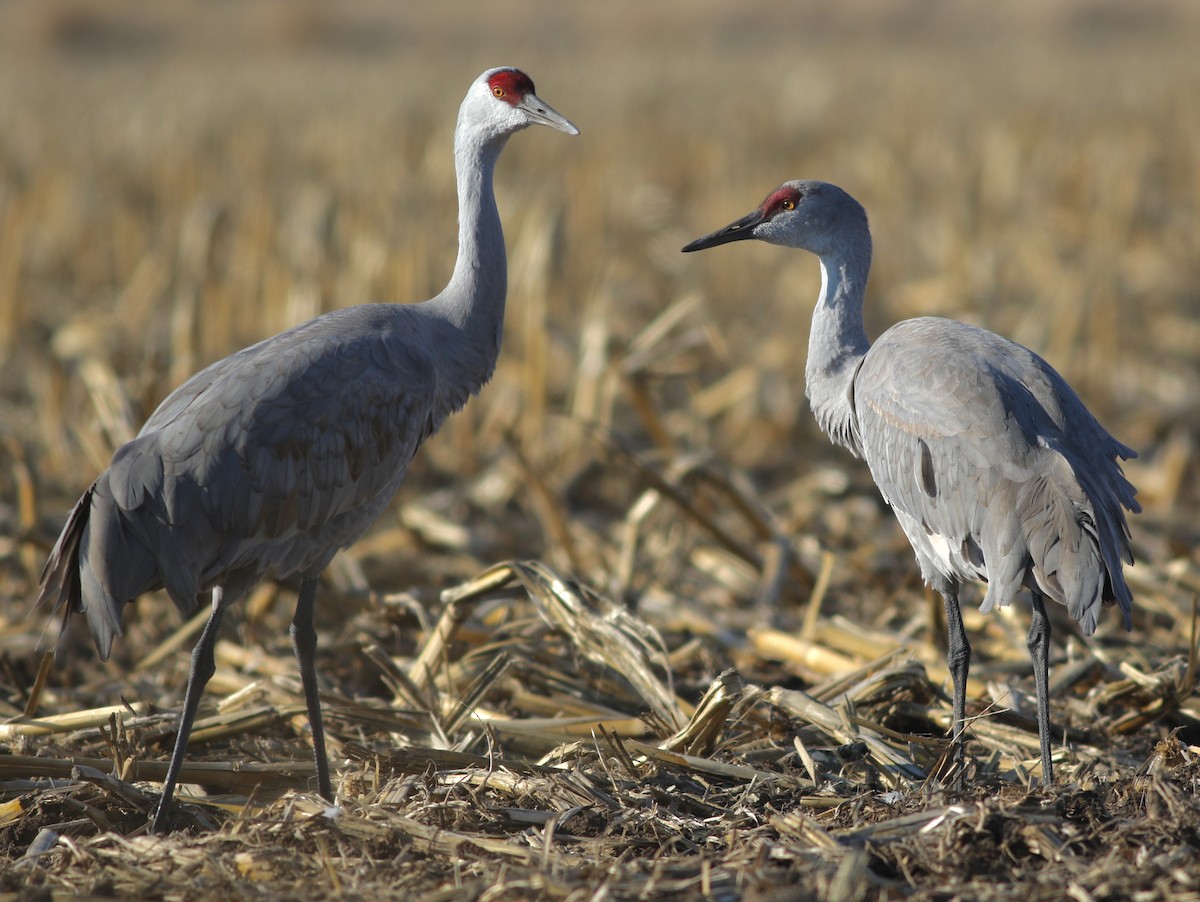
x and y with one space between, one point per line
633 629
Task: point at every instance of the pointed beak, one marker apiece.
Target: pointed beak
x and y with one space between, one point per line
735 231
544 114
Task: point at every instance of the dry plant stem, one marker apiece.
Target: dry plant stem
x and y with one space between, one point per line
173 642
39 683
813 611
65 723
548 508
23 481
241 777
700 734
643 406
433 651
773 577
1189 677
672 490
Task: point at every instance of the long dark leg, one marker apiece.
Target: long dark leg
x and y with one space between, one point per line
304 640
201 672
958 659
1039 650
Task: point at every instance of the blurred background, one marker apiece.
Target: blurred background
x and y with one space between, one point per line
179 180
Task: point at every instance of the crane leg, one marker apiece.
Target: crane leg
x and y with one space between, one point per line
1039 651
201 672
304 640
958 660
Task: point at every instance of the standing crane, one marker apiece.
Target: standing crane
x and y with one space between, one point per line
991 463
271 460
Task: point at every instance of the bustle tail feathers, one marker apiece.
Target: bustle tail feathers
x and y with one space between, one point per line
97 566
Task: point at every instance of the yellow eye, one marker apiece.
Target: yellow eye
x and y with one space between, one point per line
788 205
498 91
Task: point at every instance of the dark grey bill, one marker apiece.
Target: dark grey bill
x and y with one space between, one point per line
735 231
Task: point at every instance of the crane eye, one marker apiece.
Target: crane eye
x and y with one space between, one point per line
788 205
497 91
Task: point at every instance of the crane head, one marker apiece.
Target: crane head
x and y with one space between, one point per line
810 215
517 104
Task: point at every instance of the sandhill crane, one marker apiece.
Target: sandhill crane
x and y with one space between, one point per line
991 463
271 460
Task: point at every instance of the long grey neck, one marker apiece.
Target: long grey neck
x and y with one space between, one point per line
838 342
471 305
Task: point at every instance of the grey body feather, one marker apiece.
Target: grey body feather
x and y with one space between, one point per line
267 462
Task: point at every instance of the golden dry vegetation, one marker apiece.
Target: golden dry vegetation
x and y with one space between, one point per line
711 670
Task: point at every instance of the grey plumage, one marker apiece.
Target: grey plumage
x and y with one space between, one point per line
1019 472
271 460
992 464
268 461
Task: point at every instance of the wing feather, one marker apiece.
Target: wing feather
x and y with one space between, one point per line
276 457
982 447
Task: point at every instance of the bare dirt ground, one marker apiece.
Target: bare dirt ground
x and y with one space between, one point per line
633 629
